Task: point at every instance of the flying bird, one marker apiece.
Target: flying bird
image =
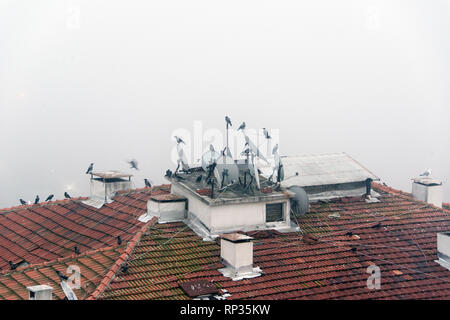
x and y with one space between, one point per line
147 183
133 164
36 201
228 121
49 198
67 196
242 126
61 276
22 202
266 134
89 170
179 140
426 173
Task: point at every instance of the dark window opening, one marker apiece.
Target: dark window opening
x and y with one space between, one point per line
274 212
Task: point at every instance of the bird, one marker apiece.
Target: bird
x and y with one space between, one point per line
67 196
228 121
22 202
124 267
77 251
349 234
266 133
61 276
242 126
49 198
426 173
12 265
211 148
179 140
199 178
168 173
147 183
275 149
119 240
133 164
353 249
91 167
36 201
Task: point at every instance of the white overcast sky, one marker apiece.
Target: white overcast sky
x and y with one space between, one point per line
106 81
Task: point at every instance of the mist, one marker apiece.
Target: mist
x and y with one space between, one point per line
108 81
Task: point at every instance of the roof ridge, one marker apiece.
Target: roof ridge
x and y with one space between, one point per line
58 260
41 204
128 251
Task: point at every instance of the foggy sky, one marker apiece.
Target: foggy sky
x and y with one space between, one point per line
107 81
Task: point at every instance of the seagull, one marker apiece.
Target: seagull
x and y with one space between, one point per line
242 126
228 121
36 201
266 133
61 276
147 183
49 198
133 164
91 167
66 195
426 173
179 140
23 202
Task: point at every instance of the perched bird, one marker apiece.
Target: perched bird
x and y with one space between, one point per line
67 196
77 251
133 164
349 234
199 178
228 121
61 276
125 267
266 133
36 201
179 140
119 240
12 265
147 183
242 126
426 173
353 249
168 173
22 202
49 198
275 149
91 167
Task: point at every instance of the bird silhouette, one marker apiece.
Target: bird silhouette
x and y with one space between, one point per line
179 140
125 267
199 178
36 201
228 121
119 240
147 183
49 198
426 173
133 164
266 134
22 202
242 126
77 251
67 196
12 265
61 276
91 167
168 173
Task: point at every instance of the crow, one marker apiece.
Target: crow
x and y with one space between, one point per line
119 240
49 198
349 234
36 201
77 251
228 121
133 164
91 167
168 173
242 126
179 140
147 183
12 265
67 196
23 202
61 276
266 134
124 267
199 178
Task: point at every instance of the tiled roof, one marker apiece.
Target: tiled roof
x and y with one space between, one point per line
327 260
51 230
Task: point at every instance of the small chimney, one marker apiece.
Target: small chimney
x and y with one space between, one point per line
443 249
40 292
104 185
427 189
166 207
236 252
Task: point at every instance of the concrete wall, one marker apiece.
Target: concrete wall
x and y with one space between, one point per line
237 255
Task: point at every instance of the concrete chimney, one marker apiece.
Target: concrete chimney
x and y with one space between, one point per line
236 252
104 185
40 292
428 189
443 248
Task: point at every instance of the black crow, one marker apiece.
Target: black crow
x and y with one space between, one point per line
266 134
12 265
179 140
228 121
91 167
22 202
124 267
199 178
133 164
168 173
147 183
349 234
77 251
36 201
61 276
242 126
67 196
49 198
119 240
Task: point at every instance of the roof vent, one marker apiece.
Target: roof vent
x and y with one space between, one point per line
443 248
427 189
166 207
40 292
236 252
104 186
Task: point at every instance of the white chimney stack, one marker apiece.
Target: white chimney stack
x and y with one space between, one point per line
236 251
40 292
443 248
428 189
